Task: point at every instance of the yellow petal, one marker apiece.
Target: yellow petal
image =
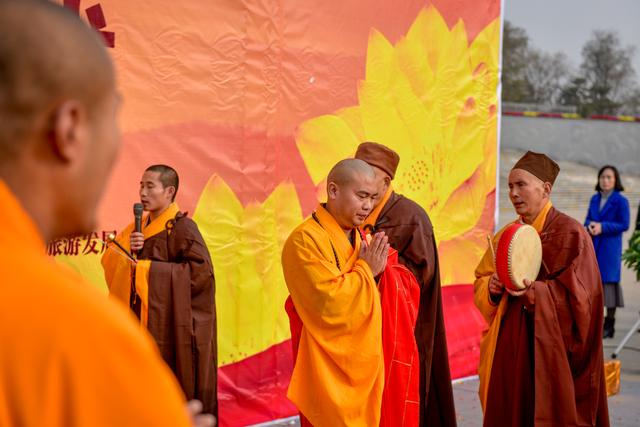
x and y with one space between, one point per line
329 135
245 246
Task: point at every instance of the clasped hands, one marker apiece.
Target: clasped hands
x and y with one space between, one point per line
594 228
375 253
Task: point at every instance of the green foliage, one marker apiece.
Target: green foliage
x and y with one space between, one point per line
631 257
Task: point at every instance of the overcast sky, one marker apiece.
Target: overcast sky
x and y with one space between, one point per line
565 25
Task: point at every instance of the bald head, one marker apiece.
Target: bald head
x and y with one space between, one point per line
347 170
47 55
58 115
351 192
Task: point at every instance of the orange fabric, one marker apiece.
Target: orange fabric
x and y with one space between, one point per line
69 356
612 376
338 376
375 213
118 268
400 297
142 289
493 313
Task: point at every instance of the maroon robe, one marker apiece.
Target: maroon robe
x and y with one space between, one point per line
548 365
411 234
182 316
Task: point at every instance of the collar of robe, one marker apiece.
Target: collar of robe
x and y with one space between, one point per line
339 240
159 224
538 223
14 218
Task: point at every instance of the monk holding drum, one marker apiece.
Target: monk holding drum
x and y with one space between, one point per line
538 287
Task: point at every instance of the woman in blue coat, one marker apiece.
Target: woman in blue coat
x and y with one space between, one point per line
607 219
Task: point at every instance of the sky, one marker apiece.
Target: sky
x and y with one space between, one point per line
565 25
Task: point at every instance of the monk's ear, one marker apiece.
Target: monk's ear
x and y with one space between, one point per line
387 181
68 131
171 192
332 190
546 186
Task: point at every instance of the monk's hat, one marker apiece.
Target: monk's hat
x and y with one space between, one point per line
539 165
379 156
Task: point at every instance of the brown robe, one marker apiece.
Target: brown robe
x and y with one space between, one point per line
411 234
548 364
182 316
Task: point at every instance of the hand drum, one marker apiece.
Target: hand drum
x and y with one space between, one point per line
519 256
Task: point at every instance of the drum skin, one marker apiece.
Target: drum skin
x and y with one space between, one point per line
518 256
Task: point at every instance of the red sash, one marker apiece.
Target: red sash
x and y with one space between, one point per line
400 296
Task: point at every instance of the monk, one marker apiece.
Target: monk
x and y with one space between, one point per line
171 287
410 232
338 376
68 355
541 361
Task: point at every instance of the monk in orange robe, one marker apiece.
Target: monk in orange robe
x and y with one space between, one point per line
541 361
338 377
68 355
170 287
410 232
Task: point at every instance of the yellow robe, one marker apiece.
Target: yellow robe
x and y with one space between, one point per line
338 376
68 355
119 269
491 312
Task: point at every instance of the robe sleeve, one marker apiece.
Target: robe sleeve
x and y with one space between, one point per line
326 299
569 292
338 376
568 329
481 295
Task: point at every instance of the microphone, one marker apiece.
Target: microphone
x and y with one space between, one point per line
138 208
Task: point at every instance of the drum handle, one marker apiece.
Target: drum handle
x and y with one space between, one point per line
493 252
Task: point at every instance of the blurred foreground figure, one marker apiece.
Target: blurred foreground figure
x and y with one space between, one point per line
68 355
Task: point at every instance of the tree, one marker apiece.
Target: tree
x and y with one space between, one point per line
546 75
608 74
575 93
515 48
528 74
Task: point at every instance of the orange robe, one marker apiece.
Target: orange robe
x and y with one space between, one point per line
338 377
69 356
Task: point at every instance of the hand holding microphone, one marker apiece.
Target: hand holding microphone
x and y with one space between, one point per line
137 238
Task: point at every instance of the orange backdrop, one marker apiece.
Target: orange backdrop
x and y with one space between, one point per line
253 101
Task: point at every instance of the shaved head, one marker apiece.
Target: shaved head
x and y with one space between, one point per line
346 171
351 192
59 136
47 55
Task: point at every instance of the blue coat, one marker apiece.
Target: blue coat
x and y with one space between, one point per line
614 218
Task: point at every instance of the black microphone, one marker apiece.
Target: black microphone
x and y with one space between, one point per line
138 208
